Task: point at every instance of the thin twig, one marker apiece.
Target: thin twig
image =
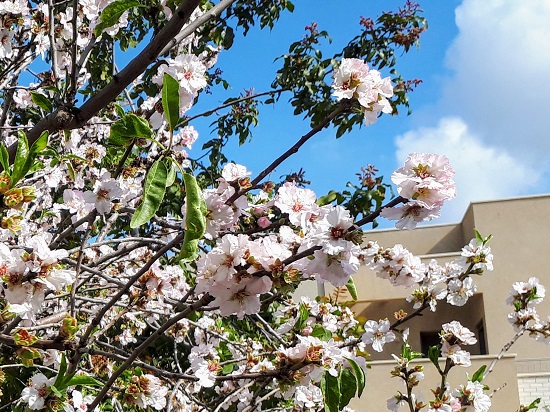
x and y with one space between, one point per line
144 240
231 103
78 267
370 218
503 351
51 35
74 70
95 272
145 344
343 107
269 329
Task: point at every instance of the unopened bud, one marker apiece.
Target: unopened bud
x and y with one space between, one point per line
27 355
69 327
29 194
12 223
5 182
24 338
14 198
263 222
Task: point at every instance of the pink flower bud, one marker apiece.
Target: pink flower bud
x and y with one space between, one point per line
263 222
308 330
258 211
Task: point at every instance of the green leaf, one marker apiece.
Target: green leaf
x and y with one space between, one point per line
478 236
171 100
112 13
25 157
228 38
228 368
301 322
70 170
189 250
21 156
171 173
433 354
119 110
415 355
40 144
321 333
195 218
352 289
61 373
331 392
42 101
532 406
83 381
478 375
359 375
153 193
5 158
326 199
128 128
58 392
348 386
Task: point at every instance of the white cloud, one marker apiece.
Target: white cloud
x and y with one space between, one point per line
495 105
482 172
501 61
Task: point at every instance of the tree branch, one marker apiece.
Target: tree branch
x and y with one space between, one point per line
376 213
205 300
61 120
504 349
231 103
344 106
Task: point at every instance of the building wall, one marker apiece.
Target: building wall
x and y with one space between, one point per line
521 246
380 386
521 249
534 381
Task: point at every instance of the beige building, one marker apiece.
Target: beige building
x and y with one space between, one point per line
521 249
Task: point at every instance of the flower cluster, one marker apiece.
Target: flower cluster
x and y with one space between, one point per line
523 298
471 397
432 282
27 276
189 70
38 391
241 268
426 181
378 334
453 336
465 398
144 391
354 80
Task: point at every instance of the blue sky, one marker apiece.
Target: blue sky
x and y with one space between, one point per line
483 101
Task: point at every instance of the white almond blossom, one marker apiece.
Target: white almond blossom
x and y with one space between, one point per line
38 390
378 334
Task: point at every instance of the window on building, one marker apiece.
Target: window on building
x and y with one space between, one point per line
481 337
428 339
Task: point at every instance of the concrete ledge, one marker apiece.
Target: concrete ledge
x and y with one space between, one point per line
533 374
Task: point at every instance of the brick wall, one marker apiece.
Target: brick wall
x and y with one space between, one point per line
534 381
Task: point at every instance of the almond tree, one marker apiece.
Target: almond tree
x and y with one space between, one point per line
141 274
